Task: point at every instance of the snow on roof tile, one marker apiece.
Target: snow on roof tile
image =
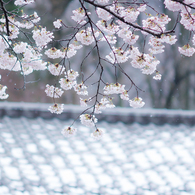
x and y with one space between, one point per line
131 158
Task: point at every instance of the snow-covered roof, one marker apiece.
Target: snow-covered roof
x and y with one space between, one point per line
138 157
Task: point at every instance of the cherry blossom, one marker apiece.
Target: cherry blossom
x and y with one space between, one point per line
102 1
14 32
72 75
157 76
3 95
81 89
3 45
114 88
56 69
67 84
130 14
42 37
114 35
23 2
99 107
68 131
117 55
186 50
124 95
109 28
57 23
83 102
88 120
136 102
68 52
86 37
53 92
154 24
156 45
169 39
173 6
103 14
9 62
111 39
187 20
53 53
127 36
79 16
150 67
56 108
75 45
20 47
142 8
103 104
97 134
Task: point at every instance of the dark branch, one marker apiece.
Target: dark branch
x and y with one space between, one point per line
6 17
130 24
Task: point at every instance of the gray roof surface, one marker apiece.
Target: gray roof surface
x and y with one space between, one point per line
150 159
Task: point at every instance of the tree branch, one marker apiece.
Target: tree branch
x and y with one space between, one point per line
6 17
130 24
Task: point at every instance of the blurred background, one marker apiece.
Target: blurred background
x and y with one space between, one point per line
176 90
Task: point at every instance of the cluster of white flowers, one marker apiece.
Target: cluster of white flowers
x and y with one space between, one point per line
102 1
57 23
86 37
24 57
97 134
64 52
20 47
23 2
56 108
127 36
66 84
3 95
155 24
42 37
29 61
53 92
109 28
88 120
156 45
103 14
136 102
79 16
103 104
111 39
157 76
146 62
68 131
69 81
81 89
187 17
114 88
130 14
172 5
186 50
124 95
117 55
83 102
56 69
54 53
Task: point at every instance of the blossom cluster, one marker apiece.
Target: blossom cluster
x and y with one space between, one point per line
115 23
69 131
3 95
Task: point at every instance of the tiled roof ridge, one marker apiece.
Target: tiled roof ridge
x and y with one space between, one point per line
126 115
